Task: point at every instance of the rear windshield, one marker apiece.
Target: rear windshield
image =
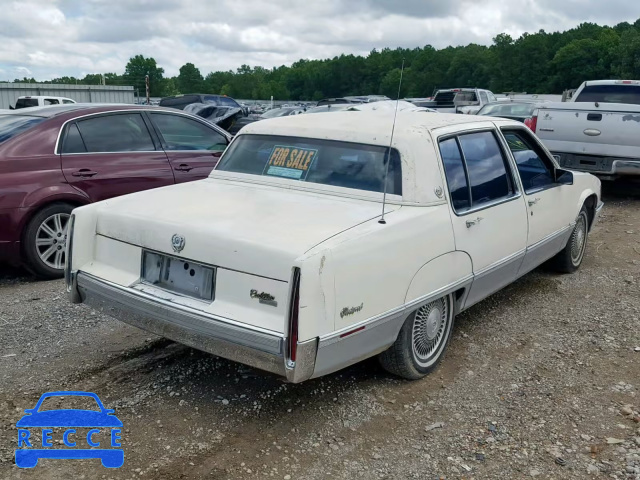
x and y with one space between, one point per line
12 125
26 102
610 94
328 162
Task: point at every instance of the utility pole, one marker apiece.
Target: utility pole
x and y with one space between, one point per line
146 84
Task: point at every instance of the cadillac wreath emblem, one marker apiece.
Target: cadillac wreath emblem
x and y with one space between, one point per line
177 242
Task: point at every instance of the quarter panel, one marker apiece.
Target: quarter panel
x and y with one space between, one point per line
443 270
375 264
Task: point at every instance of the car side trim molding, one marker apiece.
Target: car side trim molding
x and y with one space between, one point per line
389 315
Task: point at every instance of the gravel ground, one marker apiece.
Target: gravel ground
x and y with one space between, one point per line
541 380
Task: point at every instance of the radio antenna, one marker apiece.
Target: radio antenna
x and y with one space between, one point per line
393 129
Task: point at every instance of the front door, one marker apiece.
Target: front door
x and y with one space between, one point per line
193 147
549 226
106 156
489 215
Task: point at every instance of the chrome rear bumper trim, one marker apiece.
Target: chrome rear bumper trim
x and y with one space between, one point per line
256 349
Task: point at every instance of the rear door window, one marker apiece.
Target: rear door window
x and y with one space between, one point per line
182 133
72 142
328 162
534 167
476 169
51 101
486 167
116 133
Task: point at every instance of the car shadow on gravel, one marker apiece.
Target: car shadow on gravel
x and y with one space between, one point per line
12 275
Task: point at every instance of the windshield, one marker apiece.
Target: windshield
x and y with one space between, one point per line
12 125
610 94
509 109
328 162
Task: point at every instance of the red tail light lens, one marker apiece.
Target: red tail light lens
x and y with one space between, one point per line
294 309
532 123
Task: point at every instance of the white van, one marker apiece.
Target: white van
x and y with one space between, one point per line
41 101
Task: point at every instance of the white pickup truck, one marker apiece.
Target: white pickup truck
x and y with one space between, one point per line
457 100
596 131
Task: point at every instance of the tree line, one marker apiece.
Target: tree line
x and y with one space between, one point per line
534 63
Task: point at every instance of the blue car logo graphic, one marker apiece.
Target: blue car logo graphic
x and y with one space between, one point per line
101 423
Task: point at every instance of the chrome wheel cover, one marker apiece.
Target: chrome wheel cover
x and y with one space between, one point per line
579 239
431 325
51 240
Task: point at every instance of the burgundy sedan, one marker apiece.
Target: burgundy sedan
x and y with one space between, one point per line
53 159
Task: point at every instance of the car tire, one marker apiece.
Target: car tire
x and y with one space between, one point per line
44 241
422 341
571 256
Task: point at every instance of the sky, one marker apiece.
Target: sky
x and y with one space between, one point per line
46 39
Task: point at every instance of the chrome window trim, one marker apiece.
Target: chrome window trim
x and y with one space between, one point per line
484 206
141 111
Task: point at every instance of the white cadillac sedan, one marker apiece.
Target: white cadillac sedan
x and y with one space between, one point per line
281 259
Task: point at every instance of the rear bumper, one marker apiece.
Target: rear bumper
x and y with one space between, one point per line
221 337
609 166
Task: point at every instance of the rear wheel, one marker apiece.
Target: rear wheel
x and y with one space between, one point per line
570 258
422 340
45 240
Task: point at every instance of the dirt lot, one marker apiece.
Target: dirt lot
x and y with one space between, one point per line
541 380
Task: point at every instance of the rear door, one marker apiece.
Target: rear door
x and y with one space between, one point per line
489 216
546 201
193 147
112 154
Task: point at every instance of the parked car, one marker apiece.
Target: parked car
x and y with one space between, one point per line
332 107
295 272
53 159
459 100
40 101
520 110
337 101
597 130
181 101
282 112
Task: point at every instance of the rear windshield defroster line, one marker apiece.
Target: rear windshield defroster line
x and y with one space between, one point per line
327 162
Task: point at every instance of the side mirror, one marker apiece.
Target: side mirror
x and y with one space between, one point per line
563 177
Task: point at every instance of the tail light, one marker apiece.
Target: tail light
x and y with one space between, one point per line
294 309
532 123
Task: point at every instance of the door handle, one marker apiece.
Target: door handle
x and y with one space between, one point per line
84 172
533 202
471 223
183 167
